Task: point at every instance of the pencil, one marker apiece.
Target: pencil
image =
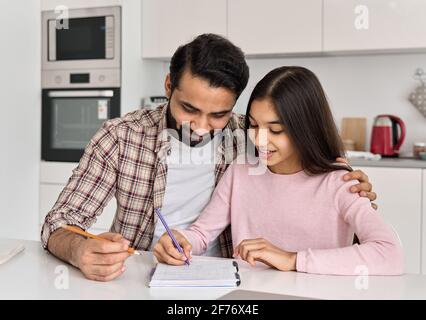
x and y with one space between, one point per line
92 236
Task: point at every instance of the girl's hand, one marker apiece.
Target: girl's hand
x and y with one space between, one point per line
263 251
364 187
166 252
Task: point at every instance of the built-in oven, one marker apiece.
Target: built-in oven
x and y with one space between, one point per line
70 118
81 77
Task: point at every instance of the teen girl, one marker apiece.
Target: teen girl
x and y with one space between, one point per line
299 215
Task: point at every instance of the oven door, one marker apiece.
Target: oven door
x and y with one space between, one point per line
71 117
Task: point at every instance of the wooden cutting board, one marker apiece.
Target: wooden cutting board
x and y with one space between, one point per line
354 129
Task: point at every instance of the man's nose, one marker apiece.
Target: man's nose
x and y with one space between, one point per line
201 126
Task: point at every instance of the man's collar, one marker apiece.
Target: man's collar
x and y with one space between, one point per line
161 130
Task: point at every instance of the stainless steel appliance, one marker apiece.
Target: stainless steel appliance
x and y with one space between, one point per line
71 117
87 42
81 78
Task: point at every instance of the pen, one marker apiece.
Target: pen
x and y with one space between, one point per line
160 216
92 236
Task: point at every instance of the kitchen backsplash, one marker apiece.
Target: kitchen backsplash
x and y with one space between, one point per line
360 86
357 86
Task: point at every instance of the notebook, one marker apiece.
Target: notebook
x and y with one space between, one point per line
8 249
200 273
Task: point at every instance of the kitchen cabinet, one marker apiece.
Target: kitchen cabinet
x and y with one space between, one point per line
166 24
49 193
275 26
53 177
286 27
399 198
374 25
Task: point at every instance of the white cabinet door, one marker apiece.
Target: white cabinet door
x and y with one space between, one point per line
424 223
168 24
399 200
49 194
56 172
374 24
275 26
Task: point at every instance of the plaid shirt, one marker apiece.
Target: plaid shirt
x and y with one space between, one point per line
126 158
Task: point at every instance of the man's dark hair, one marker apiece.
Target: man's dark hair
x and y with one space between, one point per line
213 58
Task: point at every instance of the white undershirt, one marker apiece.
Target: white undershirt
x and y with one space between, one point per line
190 184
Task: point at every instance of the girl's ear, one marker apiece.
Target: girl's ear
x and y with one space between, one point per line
168 87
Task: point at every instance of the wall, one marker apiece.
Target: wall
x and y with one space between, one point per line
141 78
20 109
359 86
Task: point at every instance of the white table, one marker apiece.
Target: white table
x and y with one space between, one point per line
31 275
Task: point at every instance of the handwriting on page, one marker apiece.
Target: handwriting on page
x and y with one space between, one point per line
198 270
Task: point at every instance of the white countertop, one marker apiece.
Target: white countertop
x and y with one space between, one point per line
389 163
31 275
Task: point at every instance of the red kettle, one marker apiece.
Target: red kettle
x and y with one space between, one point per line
386 139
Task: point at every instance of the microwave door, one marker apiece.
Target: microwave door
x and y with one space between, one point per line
83 39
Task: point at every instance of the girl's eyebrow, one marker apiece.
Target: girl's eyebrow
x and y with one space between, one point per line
270 122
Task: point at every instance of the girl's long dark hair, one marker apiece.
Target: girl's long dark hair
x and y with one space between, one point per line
303 110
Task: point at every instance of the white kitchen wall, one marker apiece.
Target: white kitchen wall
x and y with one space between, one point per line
141 78
20 98
359 86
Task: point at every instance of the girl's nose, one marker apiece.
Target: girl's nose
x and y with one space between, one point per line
261 137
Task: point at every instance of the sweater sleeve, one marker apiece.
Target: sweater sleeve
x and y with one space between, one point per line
379 251
214 218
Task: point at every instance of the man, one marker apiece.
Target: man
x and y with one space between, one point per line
136 160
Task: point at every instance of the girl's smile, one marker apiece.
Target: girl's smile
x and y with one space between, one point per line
265 153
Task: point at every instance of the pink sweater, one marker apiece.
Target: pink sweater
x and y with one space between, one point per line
315 216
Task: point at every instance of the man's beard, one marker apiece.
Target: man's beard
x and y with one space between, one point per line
186 134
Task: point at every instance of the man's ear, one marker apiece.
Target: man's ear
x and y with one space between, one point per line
168 86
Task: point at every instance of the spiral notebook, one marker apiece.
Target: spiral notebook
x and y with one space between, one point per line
200 273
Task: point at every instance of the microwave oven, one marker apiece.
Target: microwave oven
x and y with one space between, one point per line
82 41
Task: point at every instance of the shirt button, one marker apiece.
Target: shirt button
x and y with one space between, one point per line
169 152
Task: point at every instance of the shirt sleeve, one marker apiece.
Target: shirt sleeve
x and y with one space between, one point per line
214 218
90 187
379 251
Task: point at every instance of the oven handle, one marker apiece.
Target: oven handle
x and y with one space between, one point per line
81 93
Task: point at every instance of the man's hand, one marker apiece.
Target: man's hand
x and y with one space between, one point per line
101 260
261 250
364 187
166 252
